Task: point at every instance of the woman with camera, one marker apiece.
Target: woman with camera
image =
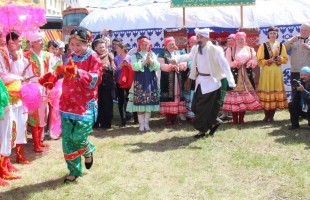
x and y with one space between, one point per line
271 91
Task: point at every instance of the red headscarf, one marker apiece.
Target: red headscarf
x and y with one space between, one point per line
240 35
232 36
168 40
192 39
141 41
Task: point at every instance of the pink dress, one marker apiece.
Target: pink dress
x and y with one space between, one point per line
243 97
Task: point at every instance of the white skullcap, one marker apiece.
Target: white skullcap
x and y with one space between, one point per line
205 32
61 44
35 36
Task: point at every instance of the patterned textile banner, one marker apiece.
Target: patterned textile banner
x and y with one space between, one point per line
180 36
130 37
156 36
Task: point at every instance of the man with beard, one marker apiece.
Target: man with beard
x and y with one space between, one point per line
209 67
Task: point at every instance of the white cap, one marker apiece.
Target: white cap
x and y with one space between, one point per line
205 32
35 36
61 44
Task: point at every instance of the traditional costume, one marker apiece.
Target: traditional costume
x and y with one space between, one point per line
271 91
20 66
243 97
78 108
144 92
78 102
189 85
230 43
6 125
172 101
54 125
40 64
209 67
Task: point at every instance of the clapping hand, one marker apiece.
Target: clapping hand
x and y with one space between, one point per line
149 60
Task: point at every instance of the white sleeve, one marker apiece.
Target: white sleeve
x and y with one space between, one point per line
225 67
183 57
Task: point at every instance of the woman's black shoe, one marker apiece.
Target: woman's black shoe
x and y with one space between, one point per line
67 180
199 135
89 164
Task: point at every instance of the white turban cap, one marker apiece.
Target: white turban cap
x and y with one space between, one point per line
35 36
205 32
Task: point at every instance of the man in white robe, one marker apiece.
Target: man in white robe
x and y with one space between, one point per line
209 67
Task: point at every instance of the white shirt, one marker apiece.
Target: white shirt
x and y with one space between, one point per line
207 83
17 67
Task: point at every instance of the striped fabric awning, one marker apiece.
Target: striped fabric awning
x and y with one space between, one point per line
52 35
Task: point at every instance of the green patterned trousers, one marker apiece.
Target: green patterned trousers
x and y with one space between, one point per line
75 143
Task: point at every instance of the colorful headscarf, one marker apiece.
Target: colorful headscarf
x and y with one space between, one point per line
141 41
82 34
192 39
168 40
233 36
240 35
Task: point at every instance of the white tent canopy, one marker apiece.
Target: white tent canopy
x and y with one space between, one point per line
135 15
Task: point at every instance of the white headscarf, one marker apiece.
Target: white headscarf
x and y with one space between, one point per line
205 32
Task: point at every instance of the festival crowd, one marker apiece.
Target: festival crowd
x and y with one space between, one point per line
67 90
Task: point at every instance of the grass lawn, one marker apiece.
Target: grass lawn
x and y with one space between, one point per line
255 161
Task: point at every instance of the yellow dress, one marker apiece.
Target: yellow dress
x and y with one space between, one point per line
271 91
